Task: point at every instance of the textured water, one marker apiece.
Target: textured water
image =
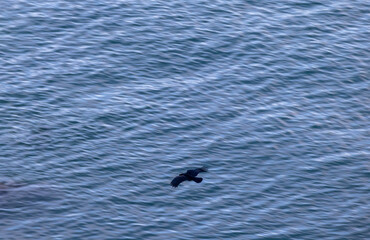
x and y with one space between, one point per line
103 102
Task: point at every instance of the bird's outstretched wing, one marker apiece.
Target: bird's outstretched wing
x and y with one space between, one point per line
195 172
177 180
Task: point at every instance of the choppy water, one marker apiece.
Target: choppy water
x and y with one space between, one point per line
103 102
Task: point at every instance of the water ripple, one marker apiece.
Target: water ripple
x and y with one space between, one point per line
103 103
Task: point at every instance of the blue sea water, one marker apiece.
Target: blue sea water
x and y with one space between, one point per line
103 102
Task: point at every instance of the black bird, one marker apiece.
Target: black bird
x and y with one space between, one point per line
190 175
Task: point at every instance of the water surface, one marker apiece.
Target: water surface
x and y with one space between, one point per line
103 102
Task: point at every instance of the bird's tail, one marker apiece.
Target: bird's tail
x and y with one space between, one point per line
198 179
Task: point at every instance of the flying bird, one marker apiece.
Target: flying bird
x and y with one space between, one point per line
190 175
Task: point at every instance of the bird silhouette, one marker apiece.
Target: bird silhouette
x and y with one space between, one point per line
190 175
